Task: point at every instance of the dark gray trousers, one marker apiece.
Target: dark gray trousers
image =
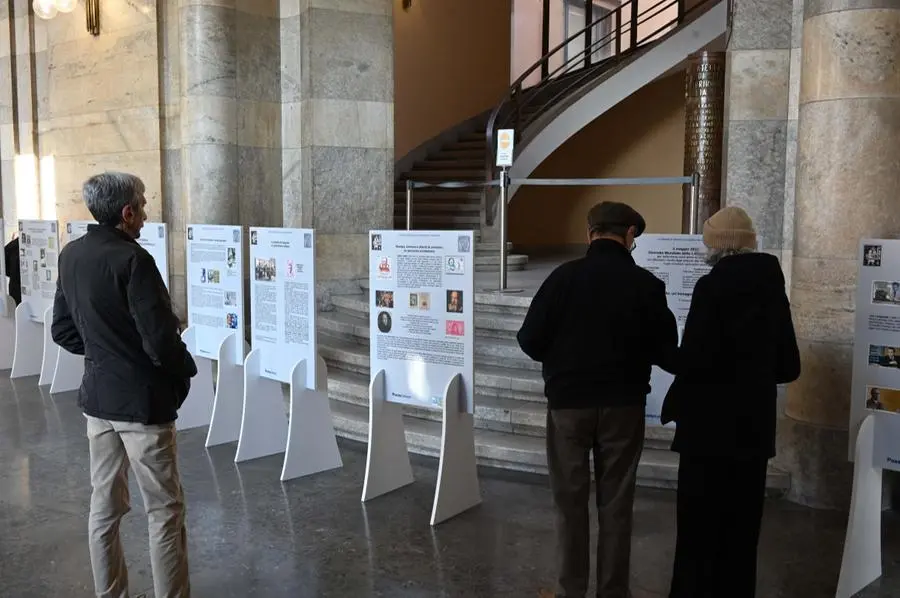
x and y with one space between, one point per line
615 435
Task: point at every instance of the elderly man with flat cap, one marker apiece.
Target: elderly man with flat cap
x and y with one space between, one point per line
597 325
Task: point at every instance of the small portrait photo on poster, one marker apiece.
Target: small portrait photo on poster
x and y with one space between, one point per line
872 256
376 242
231 257
213 277
290 268
879 398
384 322
51 243
454 264
236 236
456 328
464 244
230 298
384 299
886 292
231 320
884 356
160 231
264 270
253 237
49 275
414 300
455 302
307 240
69 228
190 233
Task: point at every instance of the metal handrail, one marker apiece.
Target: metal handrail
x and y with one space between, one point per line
510 112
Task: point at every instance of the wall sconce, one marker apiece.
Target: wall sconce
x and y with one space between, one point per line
47 9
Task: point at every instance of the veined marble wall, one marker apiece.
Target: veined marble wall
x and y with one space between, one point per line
756 115
338 94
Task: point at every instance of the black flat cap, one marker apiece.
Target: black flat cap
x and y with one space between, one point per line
607 214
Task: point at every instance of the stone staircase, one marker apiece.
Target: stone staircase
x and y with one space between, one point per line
453 209
510 408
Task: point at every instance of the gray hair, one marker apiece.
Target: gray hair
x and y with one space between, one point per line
714 256
107 194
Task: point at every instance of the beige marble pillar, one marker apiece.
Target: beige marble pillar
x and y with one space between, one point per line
338 130
209 112
848 175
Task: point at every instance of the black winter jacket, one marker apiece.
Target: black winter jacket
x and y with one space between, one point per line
597 325
112 307
738 345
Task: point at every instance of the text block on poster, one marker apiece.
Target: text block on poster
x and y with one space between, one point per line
215 287
876 349
38 260
283 301
679 261
421 302
154 238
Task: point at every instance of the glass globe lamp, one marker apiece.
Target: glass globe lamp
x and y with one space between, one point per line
45 9
65 6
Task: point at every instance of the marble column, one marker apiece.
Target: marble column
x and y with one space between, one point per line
704 106
209 112
756 115
338 130
847 180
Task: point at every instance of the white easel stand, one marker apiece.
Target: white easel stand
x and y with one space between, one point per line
861 564
387 462
311 443
7 332
225 423
68 372
50 351
264 424
457 484
29 344
196 410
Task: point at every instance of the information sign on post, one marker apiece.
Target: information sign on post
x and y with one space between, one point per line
421 304
283 332
679 261
506 139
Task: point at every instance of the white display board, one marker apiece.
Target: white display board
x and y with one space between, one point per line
38 257
421 304
7 313
283 301
679 261
876 350
215 287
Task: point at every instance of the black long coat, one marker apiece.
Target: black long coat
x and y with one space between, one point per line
738 345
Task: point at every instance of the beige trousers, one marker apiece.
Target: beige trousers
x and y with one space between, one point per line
151 452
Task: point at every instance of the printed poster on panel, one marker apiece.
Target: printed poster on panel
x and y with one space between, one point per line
283 301
38 257
215 286
421 304
679 261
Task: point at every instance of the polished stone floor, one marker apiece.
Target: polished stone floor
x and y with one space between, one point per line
252 536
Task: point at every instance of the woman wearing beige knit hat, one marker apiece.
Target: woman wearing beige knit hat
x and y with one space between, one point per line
738 345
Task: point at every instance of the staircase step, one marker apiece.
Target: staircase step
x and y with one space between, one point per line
474 144
460 164
476 136
439 207
493 259
440 221
462 154
437 194
460 175
657 469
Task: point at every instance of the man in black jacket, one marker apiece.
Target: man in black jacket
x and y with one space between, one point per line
597 325
112 307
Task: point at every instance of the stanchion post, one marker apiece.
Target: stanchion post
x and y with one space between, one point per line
695 204
409 201
504 193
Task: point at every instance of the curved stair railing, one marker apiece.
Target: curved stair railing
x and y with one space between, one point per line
523 106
